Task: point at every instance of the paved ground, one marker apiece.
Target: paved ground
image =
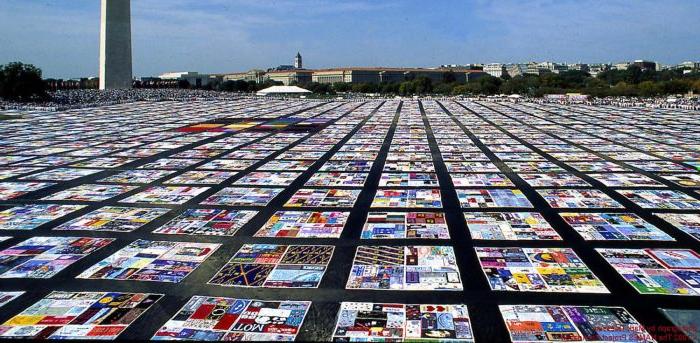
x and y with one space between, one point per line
537 200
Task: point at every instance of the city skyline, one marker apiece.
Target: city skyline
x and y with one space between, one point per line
225 36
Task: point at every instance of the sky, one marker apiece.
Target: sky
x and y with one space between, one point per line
217 36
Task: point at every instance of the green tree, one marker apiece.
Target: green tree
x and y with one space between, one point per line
389 88
444 88
648 88
574 79
449 77
365 87
505 76
236 86
633 74
609 83
183 84
596 87
595 83
551 80
406 88
466 89
326 88
19 81
675 87
422 85
341 86
319 88
613 77
696 86
489 85
623 89
521 84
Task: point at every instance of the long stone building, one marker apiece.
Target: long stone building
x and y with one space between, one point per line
356 75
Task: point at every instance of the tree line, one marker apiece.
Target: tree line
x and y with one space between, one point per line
630 82
23 82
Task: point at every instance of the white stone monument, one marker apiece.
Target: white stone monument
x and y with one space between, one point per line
115 44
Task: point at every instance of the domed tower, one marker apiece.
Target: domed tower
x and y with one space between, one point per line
297 61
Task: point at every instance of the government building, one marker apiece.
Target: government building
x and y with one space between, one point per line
296 74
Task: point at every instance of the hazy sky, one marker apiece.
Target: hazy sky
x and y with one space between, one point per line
62 36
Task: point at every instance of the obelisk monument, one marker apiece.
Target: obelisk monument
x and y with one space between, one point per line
115 44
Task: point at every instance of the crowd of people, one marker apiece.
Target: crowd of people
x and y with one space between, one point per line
658 102
661 102
80 98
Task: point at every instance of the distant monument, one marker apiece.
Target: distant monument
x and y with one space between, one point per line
115 44
297 61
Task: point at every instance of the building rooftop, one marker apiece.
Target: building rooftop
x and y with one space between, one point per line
458 70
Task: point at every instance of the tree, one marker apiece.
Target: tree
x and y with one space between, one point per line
236 86
444 88
505 76
252 85
551 80
389 88
595 83
465 89
596 87
183 84
608 83
633 74
406 88
422 85
623 89
648 88
325 88
675 87
449 77
341 86
365 87
612 77
19 81
573 79
489 85
521 84
319 88
696 86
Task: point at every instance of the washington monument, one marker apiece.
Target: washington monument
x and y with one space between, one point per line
115 44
